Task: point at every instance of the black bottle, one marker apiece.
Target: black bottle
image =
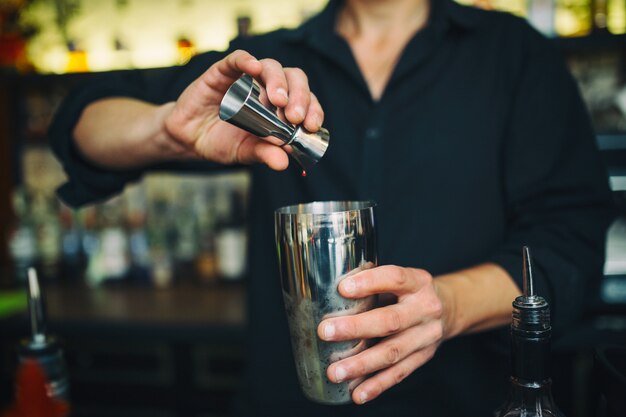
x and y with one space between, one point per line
530 392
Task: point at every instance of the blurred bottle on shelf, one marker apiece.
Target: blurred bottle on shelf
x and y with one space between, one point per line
186 232
231 239
76 58
45 216
160 238
186 49
89 240
540 14
139 247
206 259
22 239
244 23
616 16
72 259
573 17
600 15
109 260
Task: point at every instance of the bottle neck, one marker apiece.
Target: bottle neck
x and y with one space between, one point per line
532 397
530 355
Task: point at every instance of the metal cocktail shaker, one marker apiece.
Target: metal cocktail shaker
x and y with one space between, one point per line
319 244
242 107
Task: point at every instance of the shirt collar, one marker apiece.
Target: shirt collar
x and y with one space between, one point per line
444 14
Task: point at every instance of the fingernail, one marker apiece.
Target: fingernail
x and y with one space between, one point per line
299 111
340 374
282 92
349 286
329 331
363 397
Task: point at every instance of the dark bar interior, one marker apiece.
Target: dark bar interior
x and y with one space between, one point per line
150 292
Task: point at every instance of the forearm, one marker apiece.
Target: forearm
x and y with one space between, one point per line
476 299
124 133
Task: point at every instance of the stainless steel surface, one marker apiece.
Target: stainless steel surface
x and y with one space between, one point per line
243 107
35 307
319 244
527 273
531 312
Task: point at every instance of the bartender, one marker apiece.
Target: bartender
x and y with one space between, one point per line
463 125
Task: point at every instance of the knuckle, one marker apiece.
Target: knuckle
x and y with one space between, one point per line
426 276
359 368
392 354
393 321
297 72
398 277
436 307
400 375
270 62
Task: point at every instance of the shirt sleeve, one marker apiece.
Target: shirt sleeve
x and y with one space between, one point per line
87 182
558 200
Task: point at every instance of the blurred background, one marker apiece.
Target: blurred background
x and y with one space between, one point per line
147 290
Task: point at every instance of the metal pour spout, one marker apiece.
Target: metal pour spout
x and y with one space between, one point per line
527 282
35 307
531 311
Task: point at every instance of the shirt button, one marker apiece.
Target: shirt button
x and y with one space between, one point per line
372 133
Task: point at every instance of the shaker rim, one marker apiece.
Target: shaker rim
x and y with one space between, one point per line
325 207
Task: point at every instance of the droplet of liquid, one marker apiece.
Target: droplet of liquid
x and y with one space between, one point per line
303 173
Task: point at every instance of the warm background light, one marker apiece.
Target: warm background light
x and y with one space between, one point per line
118 34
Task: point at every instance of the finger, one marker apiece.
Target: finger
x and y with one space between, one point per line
275 81
387 353
299 95
382 381
223 73
314 116
384 279
379 322
252 150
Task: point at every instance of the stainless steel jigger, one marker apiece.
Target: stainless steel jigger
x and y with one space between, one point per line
241 106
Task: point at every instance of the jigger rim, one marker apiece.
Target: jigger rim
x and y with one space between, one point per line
236 96
326 207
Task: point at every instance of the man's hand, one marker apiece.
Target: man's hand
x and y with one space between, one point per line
194 120
412 328
427 311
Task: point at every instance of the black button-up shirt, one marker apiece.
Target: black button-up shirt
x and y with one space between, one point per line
479 144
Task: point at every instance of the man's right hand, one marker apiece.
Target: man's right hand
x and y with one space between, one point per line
193 120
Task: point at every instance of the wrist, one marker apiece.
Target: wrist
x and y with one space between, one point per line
476 299
447 296
164 145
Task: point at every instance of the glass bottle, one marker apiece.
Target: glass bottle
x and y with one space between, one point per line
231 240
573 17
616 16
22 239
530 393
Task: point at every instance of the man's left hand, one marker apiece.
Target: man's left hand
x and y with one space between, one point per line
411 329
